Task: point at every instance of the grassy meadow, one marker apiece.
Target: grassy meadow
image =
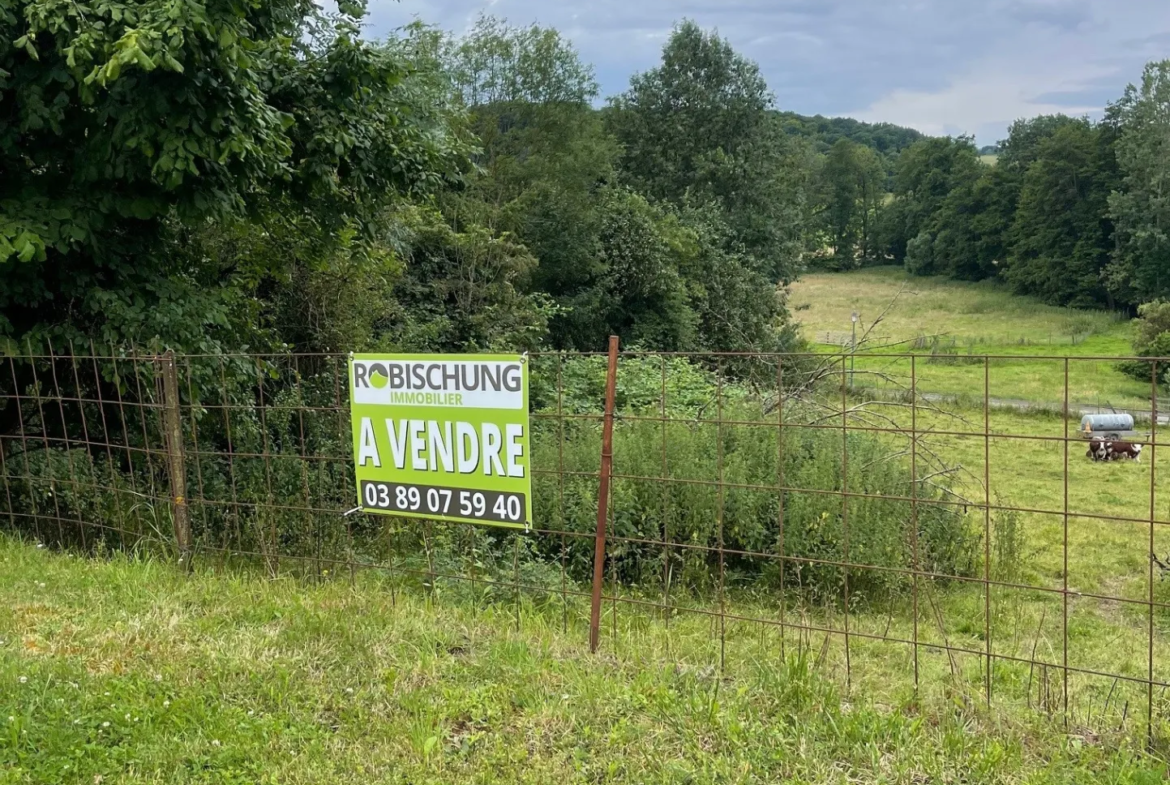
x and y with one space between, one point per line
128 670
1104 556
983 312
947 321
1105 568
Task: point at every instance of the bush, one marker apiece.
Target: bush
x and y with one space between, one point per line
920 254
1151 339
945 351
688 508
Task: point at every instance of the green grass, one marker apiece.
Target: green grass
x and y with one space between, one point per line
1092 383
984 312
221 676
126 670
1105 557
971 319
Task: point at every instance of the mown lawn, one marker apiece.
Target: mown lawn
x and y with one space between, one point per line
126 670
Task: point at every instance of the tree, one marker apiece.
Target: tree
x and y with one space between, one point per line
703 102
544 159
737 307
461 290
1140 266
971 228
698 129
495 64
851 187
1151 339
610 259
122 123
1060 238
965 215
323 264
643 295
995 196
1022 146
885 139
927 173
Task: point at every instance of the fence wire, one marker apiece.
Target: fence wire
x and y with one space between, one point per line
890 516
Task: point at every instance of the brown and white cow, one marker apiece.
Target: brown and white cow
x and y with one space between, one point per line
1122 450
1098 449
1107 450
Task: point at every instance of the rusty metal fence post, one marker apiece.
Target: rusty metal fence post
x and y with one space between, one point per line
603 495
173 442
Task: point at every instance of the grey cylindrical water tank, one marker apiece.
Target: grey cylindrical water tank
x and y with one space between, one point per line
1097 423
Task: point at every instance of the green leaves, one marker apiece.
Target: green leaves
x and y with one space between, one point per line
132 122
1151 339
849 192
20 240
698 129
1140 208
27 247
932 181
1060 244
461 288
495 64
25 43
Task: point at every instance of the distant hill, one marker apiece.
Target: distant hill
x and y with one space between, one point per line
886 138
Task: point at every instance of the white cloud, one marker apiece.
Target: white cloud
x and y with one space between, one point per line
1060 57
944 66
986 100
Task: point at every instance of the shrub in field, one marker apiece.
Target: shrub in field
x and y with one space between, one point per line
920 254
1151 339
945 351
644 383
744 516
1007 544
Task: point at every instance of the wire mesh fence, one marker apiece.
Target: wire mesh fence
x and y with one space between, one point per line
895 518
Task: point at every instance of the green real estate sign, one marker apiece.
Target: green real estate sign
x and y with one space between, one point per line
443 436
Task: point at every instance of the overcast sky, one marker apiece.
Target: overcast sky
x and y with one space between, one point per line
942 66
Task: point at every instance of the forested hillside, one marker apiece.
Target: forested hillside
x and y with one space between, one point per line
885 138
